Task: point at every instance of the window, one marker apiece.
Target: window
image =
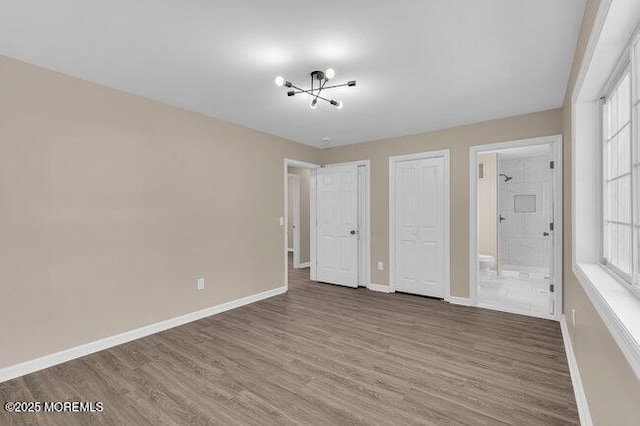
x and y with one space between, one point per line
617 198
635 155
621 232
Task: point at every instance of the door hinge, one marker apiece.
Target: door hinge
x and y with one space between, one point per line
552 288
552 164
551 226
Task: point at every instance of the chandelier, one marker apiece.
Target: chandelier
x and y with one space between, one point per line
320 78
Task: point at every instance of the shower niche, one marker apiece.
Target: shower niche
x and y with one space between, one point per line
525 203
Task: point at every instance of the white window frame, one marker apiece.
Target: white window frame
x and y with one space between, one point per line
615 79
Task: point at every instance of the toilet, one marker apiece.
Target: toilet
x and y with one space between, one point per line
485 262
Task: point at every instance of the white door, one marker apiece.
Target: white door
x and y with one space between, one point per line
337 225
420 230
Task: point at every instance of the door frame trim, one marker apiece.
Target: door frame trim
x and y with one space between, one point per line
296 215
367 166
444 153
288 162
556 142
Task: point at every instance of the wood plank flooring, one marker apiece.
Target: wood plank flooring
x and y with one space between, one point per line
321 355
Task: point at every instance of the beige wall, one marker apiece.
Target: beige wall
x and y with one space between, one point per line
305 219
612 390
457 140
112 205
488 208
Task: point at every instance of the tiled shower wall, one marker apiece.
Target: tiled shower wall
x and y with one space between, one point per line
522 245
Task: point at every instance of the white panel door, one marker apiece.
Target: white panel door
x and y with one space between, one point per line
337 232
420 222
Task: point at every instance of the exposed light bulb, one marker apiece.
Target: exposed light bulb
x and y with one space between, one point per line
279 81
339 106
330 73
314 104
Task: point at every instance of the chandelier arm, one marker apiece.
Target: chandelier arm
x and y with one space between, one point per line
300 89
320 90
336 85
318 97
310 93
317 89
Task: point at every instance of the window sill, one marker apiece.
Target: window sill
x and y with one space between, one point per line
618 307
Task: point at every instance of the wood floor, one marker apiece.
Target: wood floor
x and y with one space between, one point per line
321 355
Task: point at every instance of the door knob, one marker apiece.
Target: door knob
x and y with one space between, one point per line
501 218
353 232
546 234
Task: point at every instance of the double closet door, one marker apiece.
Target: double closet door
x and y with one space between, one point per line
420 226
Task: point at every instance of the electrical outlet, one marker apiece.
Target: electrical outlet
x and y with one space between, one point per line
573 316
281 221
200 283
380 266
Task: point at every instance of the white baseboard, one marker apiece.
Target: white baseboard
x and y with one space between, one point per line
379 287
516 311
581 398
46 361
304 265
455 300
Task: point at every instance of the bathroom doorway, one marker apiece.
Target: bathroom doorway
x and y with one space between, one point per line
516 241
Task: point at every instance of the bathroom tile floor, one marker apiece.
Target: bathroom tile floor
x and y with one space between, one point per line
515 290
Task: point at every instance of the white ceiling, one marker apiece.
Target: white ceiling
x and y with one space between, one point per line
420 65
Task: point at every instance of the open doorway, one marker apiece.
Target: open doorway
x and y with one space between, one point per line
298 218
293 214
516 241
